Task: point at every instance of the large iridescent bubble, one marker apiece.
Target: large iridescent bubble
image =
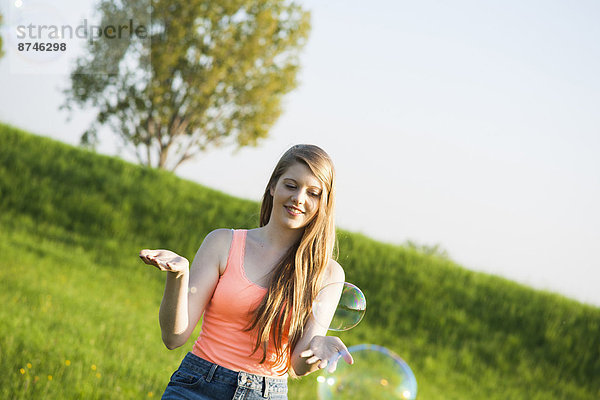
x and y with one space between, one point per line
377 373
342 303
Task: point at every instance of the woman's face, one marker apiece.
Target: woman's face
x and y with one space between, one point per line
296 196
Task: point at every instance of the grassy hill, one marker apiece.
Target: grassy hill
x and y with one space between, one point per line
80 311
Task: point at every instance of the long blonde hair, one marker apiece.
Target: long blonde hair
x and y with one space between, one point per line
297 277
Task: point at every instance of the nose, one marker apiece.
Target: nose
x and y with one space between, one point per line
298 197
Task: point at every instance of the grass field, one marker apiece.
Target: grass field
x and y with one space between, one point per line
80 310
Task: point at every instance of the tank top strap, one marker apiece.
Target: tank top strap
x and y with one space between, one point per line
236 252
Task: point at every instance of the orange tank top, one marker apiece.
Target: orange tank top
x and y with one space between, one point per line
223 339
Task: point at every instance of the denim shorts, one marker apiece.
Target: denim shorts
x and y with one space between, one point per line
199 379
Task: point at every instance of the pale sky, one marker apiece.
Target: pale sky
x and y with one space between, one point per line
473 124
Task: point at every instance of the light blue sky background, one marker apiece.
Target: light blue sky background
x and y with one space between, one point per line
471 124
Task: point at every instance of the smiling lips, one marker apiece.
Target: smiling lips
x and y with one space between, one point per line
293 210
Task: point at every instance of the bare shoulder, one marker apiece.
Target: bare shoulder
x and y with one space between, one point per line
334 273
219 236
216 246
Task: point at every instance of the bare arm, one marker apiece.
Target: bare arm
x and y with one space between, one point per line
174 311
188 290
314 350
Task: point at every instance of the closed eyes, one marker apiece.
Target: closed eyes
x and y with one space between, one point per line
312 193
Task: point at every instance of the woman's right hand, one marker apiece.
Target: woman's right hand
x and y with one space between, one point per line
165 260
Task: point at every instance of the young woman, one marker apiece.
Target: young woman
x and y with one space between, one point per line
255 289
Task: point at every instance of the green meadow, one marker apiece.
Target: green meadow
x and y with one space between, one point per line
79 315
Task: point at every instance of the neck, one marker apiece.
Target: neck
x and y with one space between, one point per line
279 237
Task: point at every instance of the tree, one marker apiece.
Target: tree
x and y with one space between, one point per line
212 73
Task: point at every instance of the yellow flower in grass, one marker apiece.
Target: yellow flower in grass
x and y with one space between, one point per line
150 394
49 377
22 371
67 362
29 365
94 367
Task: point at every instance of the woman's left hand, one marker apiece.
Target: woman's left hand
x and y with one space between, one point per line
327 350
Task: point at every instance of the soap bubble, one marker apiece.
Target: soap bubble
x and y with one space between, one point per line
342 303
377 373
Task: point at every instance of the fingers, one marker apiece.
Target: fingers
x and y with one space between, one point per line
147 260
322 363
313 360
326 351
150 257
306 353
143 255
343 353
332 366
164 266
347 356
147 256
149 253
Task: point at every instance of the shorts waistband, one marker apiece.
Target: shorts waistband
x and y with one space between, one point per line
210 371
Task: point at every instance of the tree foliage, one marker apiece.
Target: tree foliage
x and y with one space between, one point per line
212 73
432 250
